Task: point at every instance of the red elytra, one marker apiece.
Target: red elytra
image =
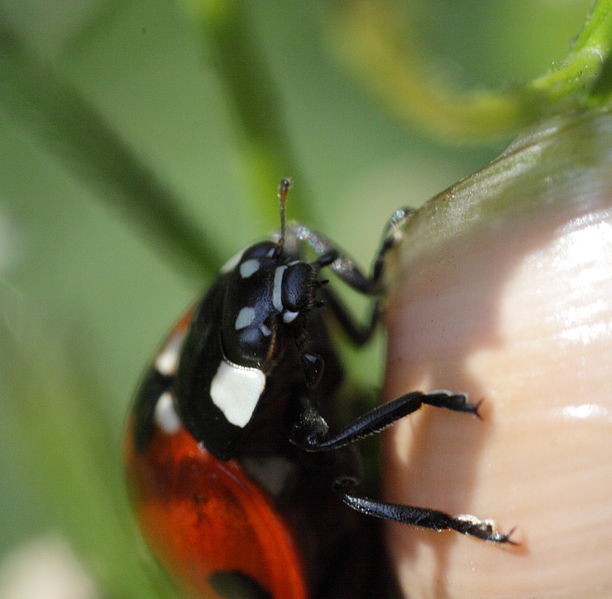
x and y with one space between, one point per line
201 515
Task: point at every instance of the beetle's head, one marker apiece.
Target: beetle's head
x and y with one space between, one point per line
267 296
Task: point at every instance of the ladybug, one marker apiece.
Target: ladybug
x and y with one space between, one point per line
240 473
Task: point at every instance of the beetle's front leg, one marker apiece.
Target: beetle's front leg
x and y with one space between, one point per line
342 264
311 432
349 272
425 517
357 332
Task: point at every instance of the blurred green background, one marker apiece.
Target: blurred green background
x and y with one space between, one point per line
91 279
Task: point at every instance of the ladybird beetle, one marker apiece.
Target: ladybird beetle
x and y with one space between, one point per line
239 472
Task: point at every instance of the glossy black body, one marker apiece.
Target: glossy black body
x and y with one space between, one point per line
341 554
270 313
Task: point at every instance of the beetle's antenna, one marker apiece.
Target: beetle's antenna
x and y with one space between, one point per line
283 190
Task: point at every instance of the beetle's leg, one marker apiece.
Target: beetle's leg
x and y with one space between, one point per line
310 435
419 516
392 235
342 264
358 333
312 364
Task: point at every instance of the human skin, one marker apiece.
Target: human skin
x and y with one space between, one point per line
503 289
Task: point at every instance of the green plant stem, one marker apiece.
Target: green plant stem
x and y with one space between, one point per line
253 102
391 64
580 72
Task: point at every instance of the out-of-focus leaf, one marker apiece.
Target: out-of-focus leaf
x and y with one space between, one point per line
253 99
65 440
51 109
389 61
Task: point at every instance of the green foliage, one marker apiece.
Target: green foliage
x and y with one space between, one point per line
382 46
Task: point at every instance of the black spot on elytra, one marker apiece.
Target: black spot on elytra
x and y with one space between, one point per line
237 585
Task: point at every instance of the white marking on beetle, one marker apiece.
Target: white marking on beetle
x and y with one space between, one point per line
245 317
235 390
289 316
277 298
167 360
265 330
271 252
232 262
248 267
165 415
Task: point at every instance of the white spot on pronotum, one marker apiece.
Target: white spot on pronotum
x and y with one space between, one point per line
235 390
165 415
277 298
245 317
232 262
248 267
270 252
265 330
290 316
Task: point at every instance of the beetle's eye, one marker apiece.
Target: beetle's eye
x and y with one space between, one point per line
299 285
